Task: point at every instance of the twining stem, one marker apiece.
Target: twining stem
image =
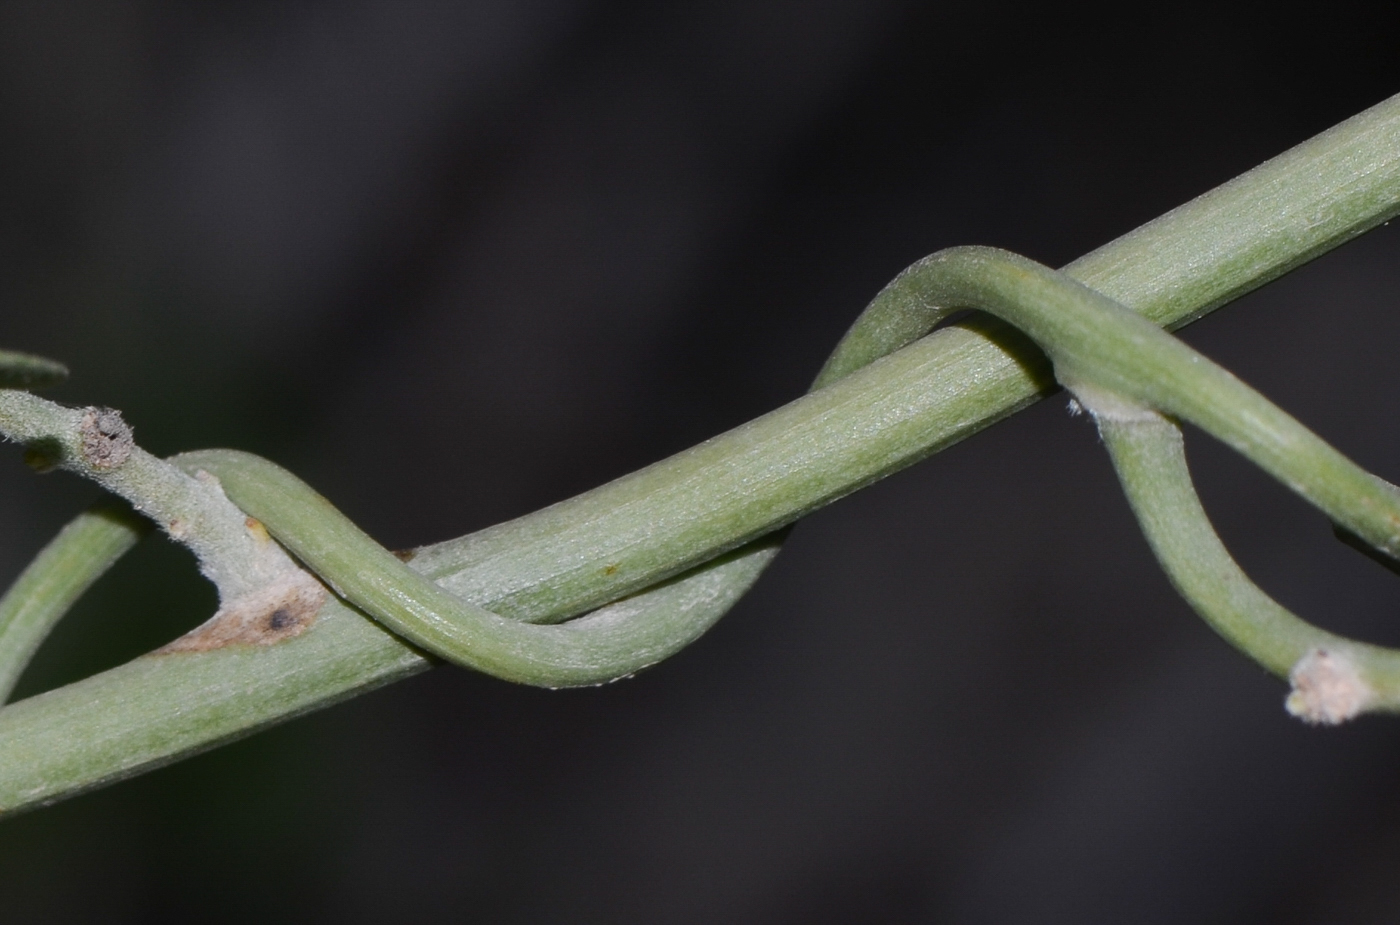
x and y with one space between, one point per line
1129 374
620 538
1120 365
609 643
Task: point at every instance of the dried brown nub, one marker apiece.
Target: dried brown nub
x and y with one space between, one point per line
106 438
1327 688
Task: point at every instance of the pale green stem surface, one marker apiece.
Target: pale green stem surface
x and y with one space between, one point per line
1128 372
607 543
1115 360
97 444
1150 459
80 554
609 643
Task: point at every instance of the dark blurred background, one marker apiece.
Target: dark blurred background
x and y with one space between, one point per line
455 261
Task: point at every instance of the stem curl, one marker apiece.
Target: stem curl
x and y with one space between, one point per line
1128 373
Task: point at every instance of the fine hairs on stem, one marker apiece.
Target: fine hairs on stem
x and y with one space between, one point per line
600 586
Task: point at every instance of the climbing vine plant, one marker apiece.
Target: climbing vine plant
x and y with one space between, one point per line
313 611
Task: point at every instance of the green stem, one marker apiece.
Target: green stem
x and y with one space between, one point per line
80 554
1150 459
1117 362
1123 367
609 643
736 487
98 445
26 371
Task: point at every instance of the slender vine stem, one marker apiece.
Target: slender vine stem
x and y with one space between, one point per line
611 642
1120 365
1333 677
730 491
81 553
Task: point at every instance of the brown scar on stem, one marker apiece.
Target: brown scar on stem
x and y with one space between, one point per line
611 569
405 555
105 440
275 614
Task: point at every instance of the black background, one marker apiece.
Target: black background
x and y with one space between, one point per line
455 261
